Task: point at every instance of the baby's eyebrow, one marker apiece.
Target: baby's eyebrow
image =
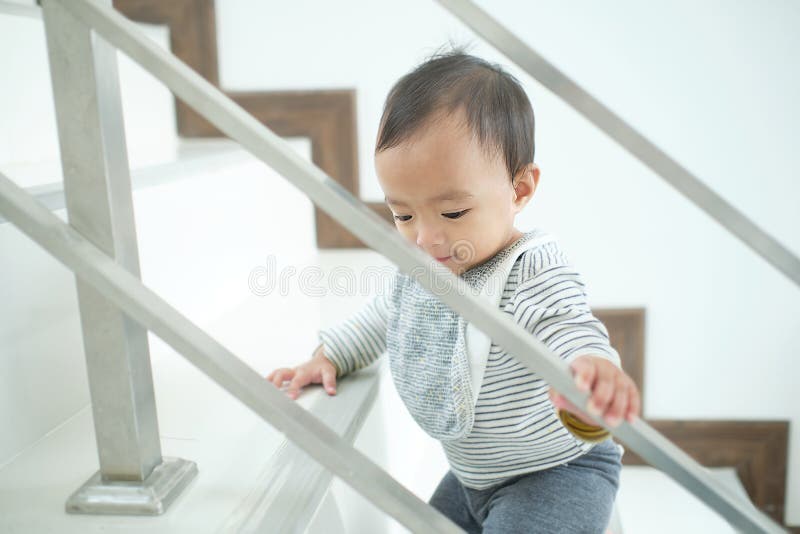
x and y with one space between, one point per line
447 195
452 195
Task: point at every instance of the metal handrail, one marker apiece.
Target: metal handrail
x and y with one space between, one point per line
126 291
705 198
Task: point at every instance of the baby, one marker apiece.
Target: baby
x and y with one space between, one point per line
454 157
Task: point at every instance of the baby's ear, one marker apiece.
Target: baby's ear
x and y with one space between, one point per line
525 184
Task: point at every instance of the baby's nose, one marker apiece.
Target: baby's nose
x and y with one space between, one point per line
429 237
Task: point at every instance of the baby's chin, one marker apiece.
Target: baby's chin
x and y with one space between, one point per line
454 267
459 268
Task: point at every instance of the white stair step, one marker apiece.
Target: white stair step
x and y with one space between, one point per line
649 501
249 476
189 158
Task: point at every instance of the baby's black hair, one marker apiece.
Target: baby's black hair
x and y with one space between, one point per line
496 107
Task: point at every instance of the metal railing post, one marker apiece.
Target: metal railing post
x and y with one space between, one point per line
133 476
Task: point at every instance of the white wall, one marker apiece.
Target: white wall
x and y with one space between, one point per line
712 83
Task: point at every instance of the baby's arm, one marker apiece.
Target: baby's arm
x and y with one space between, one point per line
551 303
360 340
351 345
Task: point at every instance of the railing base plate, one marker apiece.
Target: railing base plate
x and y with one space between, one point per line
151 496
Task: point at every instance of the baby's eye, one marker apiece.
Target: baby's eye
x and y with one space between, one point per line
402 218
455 214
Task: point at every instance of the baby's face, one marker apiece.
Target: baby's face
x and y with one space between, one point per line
448 196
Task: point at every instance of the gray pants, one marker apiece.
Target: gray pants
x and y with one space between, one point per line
576 497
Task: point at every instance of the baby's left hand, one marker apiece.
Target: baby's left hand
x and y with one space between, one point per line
613 396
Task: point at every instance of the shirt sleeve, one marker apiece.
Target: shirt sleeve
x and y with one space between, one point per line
551 302
360 340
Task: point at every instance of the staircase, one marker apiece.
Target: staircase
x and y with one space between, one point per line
191 255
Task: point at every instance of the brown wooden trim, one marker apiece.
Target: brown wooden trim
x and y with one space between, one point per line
757 449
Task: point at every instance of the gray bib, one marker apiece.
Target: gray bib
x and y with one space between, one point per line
437 360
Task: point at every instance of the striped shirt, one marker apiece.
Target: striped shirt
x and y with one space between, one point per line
516 429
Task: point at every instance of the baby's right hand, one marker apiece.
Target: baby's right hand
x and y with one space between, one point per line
319 370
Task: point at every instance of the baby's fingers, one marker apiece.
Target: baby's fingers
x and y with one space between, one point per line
634 403
279 376
329 380
619 405
585 372
602 392
301 378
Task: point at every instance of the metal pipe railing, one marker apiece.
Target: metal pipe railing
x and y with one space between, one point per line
705 198
222 366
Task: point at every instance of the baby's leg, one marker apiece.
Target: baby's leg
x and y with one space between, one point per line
449 499
576 497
